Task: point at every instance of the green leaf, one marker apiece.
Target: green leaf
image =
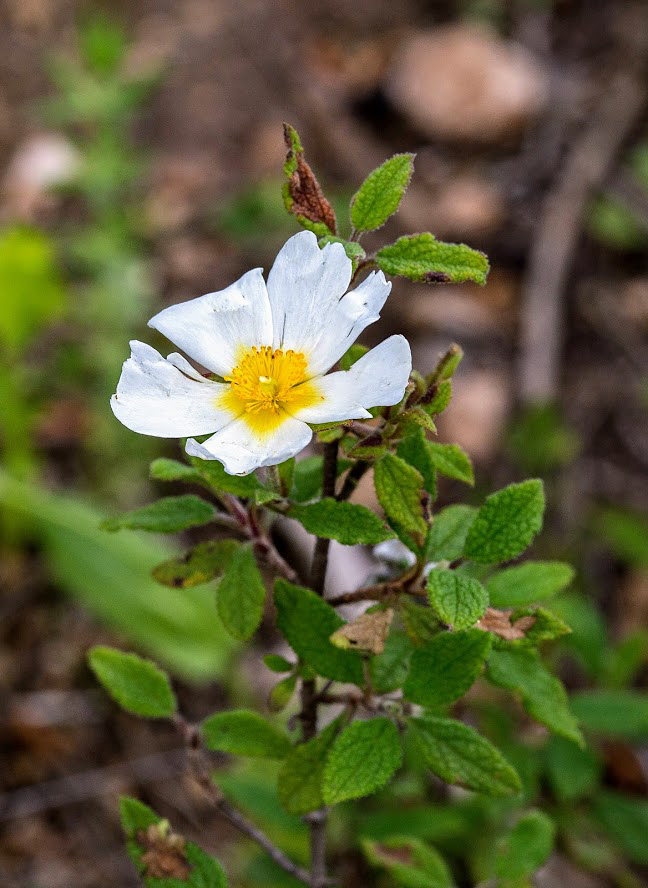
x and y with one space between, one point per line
573 772
286 472
164 469
307 622
281 694
299 784
526 848
353 354
278 664
627 535
398 488
615 713
389 669
626 820
447 534
170 514
203 563
246 486
362 759
459 600
417 416
528 583
241 594
419 620
347 523
409 861
30 283
380 194
546 626
521 670
626 659
414 450
506 523
443 669
136 684
438 398
451 461
421 257
353 250
458 754
103 44
308 477
242 732
147 834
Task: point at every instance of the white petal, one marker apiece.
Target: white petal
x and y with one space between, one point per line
354 312
378 379
185 367
155 397
304 287
241 450
211 328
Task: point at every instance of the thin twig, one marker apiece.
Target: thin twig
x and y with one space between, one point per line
586 165
308 714
246 523
88 784
201 772
369 593
354 475
322 544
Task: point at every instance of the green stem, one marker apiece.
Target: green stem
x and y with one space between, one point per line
309 701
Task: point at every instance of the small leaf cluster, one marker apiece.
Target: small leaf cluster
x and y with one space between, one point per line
459 620
419 257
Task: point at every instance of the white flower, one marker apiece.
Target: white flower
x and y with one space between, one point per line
272 345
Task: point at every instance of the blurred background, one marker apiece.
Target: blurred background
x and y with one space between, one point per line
140 165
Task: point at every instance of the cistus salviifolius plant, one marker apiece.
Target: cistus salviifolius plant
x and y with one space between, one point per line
362 701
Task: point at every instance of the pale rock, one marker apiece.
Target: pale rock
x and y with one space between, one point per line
463 82
40 163
464 206
267 149
477 414
633 610
352 68
460 310
634 302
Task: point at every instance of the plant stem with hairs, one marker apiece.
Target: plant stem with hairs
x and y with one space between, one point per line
317 820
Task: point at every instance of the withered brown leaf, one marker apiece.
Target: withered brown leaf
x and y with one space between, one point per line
303 193
366 633
499 622
164 857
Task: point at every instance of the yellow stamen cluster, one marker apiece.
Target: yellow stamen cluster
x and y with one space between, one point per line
263 379
267 385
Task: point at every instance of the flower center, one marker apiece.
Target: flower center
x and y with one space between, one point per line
264 380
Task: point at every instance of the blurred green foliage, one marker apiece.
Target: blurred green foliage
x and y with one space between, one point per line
614 223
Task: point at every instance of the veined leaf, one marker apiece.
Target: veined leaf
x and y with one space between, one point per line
443 669
459 600
421 257
458 754
307 623
138 685
362 759
347 523
241 594
506 523
171 514
381 192
398 487
242 732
